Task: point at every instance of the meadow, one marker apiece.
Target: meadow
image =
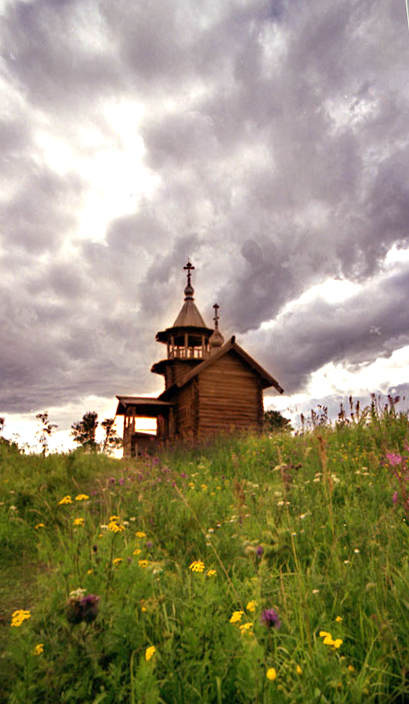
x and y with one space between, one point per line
253 569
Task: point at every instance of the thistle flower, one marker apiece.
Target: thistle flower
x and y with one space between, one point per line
270 618
83 608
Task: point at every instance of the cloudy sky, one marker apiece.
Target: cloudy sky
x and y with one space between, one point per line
266 140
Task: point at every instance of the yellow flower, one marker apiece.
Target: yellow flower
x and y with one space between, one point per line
150 652
117 561
339 619
246 628
211 573
143 563
197 566
351 668
114 518
251 606
65 500
17 617
89 571
298 670
78 522
337 642
236 616
115 527
323 634
271 674
328 640
137 551
39 525
39 649
140 534
81 497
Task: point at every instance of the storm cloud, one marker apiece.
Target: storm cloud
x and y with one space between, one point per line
266 141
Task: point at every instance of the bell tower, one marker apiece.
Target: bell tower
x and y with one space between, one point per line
187 341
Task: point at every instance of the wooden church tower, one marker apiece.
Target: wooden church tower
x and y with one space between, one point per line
211 386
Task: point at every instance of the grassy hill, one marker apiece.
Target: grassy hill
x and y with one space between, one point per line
254 569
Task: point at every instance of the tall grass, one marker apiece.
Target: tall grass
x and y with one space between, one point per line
253 569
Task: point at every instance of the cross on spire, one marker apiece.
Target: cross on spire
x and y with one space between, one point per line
216 316
189 267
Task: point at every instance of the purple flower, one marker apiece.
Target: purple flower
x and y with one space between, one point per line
393 459
111 480
121 481
395 497
85 609
259 550
149 545
89 606
270 618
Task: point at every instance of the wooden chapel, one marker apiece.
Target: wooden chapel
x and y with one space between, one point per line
211 386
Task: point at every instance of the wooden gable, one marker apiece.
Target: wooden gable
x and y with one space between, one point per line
223 393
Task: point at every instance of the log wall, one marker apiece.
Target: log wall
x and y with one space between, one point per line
230 397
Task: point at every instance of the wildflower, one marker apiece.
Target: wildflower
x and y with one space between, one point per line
337 642
90 571
246 627
270 619
140 534
117 561
39 525
259 550
82 497
356 551
298 670
78 522
65 500
17 617
39 649
394 459
82 608
114 518
271 674
143 563
137 551
149 653
351 668
197 566
115 527
339 619
211 573
251 606
236 616
324 634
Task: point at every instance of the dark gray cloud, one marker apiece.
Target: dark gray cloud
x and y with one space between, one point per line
275 156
